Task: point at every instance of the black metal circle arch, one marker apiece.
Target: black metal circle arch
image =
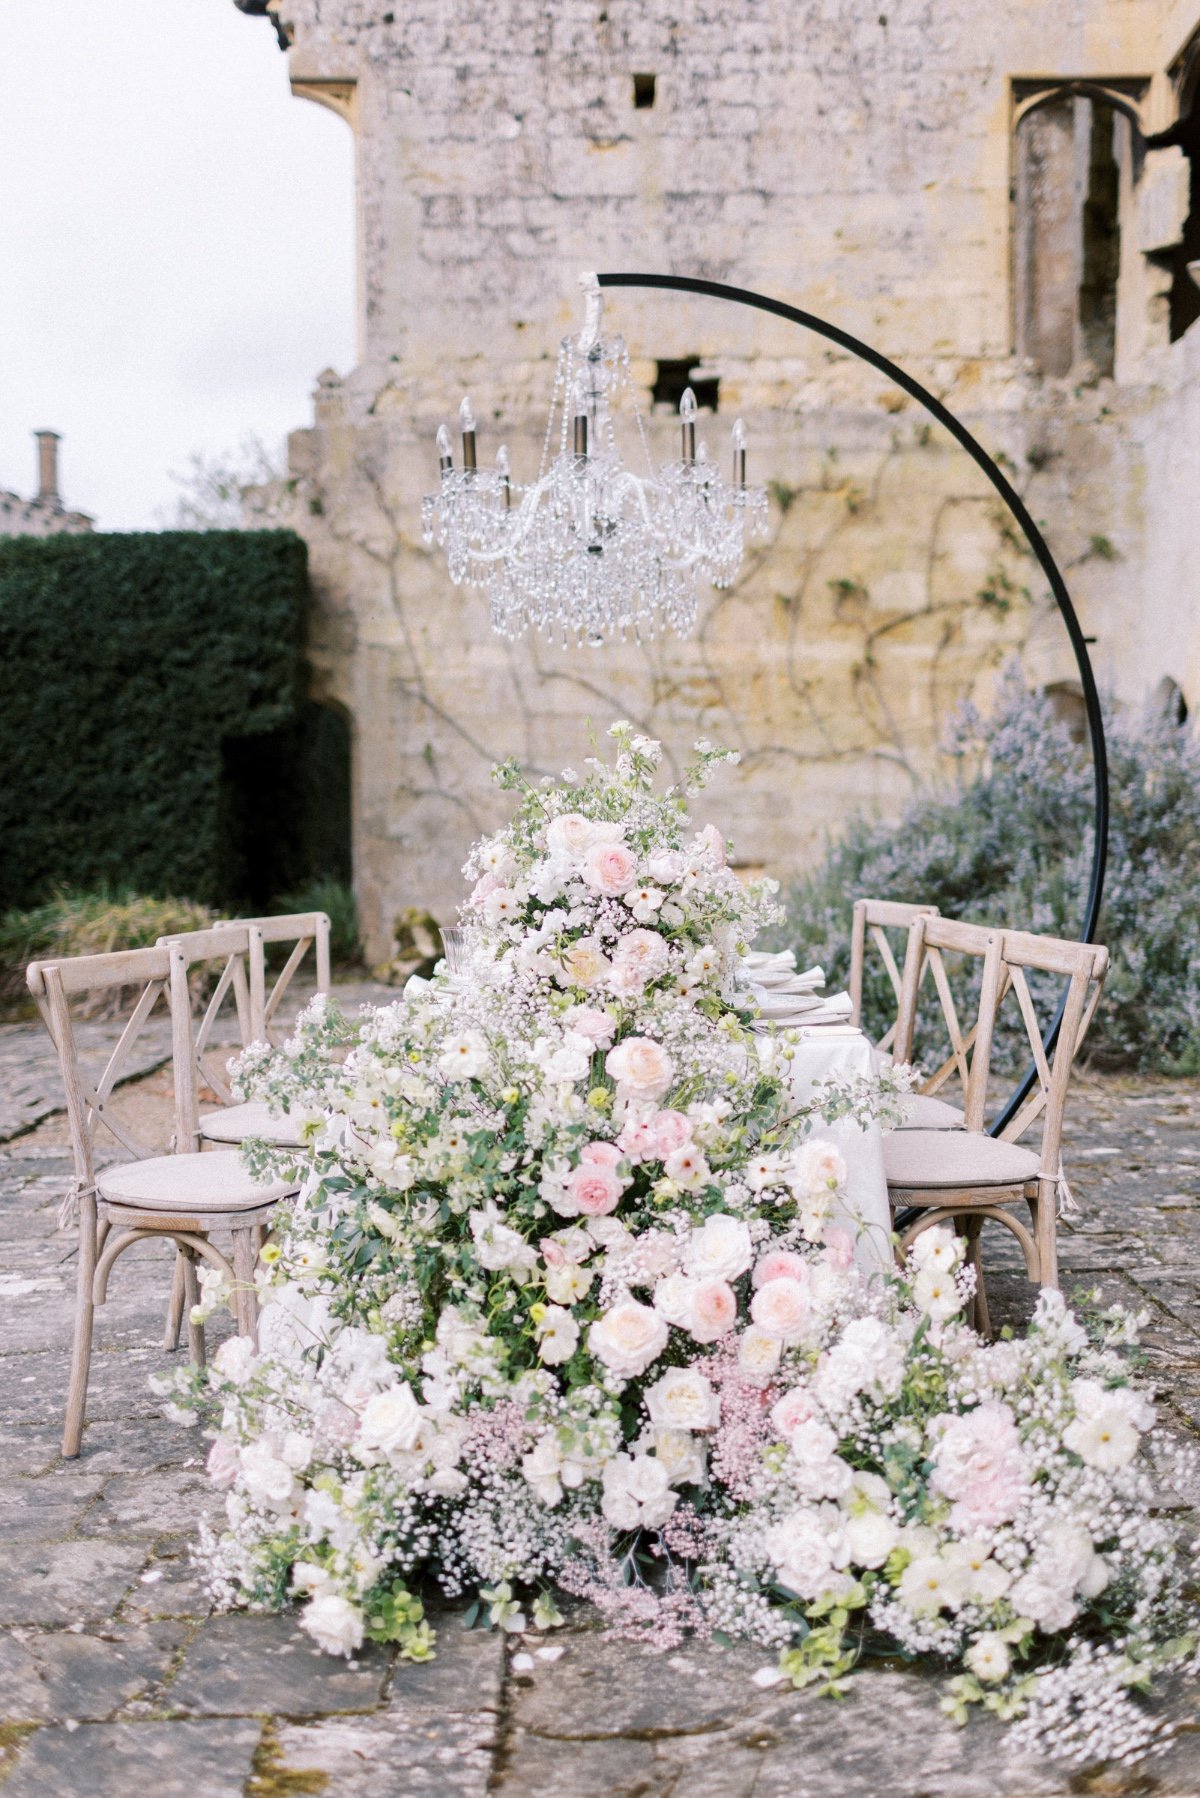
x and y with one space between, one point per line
808 321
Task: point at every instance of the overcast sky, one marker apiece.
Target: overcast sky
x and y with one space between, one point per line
176 244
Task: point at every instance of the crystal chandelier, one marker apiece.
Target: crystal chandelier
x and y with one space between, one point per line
591 550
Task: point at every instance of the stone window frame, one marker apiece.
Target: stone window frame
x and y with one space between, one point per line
1123 94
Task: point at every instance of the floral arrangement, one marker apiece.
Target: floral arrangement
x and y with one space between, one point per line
571 1303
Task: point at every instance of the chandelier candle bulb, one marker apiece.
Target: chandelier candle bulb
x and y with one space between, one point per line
687 418
739 454
445 452
502 469
467 421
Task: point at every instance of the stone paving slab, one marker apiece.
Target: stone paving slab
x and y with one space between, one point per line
116 1680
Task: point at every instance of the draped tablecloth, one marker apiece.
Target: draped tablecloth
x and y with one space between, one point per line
863 1209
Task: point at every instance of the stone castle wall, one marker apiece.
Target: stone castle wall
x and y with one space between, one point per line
859 164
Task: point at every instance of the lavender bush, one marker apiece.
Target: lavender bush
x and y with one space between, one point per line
1011 844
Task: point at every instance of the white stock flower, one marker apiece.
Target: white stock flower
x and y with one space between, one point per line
335 1625
542 1468
636 1493
236 1359
496 1245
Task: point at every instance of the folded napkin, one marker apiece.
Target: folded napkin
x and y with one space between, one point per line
783 961
786 1008
783 980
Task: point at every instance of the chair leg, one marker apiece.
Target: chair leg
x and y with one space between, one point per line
81 1348
981 1315
191 1294
245 1256
1045 1229
175 1304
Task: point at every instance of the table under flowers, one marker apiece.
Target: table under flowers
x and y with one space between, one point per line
589 1293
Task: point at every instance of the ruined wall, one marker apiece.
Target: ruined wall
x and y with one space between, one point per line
857 163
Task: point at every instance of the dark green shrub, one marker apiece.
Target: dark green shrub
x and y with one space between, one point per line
127 664
1011 845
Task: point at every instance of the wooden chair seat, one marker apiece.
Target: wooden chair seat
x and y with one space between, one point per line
946 1160
928 1113
189 1183
238 1123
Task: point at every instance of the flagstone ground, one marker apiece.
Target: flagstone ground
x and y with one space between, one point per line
115 1678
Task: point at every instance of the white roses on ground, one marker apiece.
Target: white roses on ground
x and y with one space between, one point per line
636 1493
628 1338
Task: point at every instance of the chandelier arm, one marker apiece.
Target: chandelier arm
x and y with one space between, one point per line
809 321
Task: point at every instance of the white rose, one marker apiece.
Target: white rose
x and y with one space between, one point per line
721 1249
682 1456
628 1338
682 1399
808 1551
335 1625
673 1299
758 1354
391 1420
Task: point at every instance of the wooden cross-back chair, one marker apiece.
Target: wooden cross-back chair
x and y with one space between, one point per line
180 1196
873 919
969 1177
239 948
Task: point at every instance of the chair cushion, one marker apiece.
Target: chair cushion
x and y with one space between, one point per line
925 1160
932 1114
181 1183
235 1123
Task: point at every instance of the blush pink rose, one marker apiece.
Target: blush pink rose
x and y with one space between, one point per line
781 1309
638 1140
601 1154
644 951
780 1264
671 1131
487 883
610 869
222 1463
793 1409
839 1249
595 1191
553 1253
593 1023
712 1311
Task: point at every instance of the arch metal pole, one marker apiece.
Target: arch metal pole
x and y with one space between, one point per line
808 321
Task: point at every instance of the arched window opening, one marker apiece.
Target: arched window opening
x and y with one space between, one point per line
1069 707
1182 258
1169 702
1070 149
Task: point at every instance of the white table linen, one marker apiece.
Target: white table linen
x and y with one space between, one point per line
863 1209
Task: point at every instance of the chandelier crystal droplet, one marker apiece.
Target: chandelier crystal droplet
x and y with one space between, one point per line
591 551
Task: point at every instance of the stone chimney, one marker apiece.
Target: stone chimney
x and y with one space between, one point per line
48 494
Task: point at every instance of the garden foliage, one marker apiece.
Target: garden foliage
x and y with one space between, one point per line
1011 844
129 666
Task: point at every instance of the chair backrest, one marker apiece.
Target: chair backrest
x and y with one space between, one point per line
932 939
53 984
200 1059
1084 966
305 930
872 920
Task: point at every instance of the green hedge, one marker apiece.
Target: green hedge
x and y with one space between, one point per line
128 665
